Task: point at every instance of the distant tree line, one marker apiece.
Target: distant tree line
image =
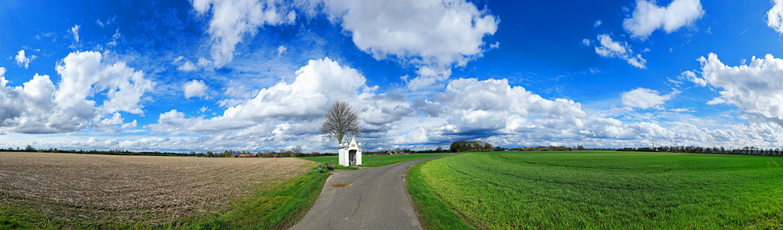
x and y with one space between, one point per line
747 150
293 152
30 148
437 150
470 146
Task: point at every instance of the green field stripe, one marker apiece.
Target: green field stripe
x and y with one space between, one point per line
434 212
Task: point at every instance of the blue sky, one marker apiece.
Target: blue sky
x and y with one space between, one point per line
259 75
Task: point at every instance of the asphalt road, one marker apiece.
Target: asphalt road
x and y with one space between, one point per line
369 198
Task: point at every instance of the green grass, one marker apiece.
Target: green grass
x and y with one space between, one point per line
599 189
434 213
14 217
377 160
276 208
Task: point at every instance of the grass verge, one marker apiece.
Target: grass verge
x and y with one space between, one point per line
279 208
14 217
433 212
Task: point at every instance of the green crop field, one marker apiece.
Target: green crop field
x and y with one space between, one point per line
602 189
379 160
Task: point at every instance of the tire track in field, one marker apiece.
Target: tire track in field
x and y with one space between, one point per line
564 198
566 166
647 188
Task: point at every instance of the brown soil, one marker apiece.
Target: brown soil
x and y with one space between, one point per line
133 189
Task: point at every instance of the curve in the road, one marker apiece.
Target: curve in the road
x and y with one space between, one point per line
369 198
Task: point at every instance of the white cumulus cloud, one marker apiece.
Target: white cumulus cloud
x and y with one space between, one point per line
646 98
775 16
494 45
754 88
187 67
290 112
612 128
317 85
586 42
234 20
37 106
195 88
75 32
2 77
691 76
648 17
493 105
606 47
433 33
22 60
83 74
428 76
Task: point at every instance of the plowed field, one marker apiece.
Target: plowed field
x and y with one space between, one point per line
107 190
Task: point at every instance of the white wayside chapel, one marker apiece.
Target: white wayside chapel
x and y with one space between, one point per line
350 153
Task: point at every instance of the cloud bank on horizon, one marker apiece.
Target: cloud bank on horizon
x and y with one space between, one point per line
260 74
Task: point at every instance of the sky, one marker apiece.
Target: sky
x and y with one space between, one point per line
259 75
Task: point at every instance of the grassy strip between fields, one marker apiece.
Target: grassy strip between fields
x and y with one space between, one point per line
277 208
14 217
434 213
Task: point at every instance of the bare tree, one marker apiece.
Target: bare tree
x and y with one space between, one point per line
340 121
297 150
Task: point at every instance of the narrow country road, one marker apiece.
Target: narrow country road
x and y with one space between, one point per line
369 198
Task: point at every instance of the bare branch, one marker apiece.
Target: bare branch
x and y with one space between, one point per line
340 121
